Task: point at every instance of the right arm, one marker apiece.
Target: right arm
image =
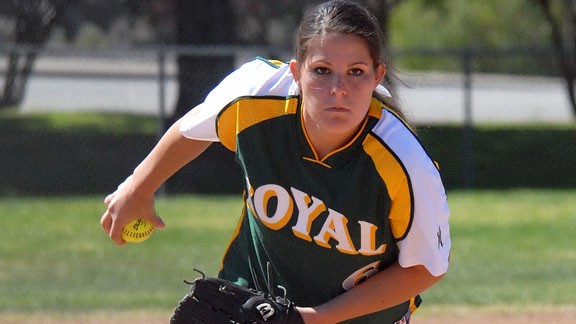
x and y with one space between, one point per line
135 197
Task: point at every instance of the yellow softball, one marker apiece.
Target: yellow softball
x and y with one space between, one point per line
137 230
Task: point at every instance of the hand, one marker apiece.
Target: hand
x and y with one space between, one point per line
125 205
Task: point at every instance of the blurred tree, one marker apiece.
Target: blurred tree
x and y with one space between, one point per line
383 10
34 22
202 22
561 16
448 26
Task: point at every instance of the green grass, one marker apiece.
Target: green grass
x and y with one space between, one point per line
55 257
510 248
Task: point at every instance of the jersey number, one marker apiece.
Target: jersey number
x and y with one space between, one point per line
360 275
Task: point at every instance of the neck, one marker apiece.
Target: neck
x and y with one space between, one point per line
324 142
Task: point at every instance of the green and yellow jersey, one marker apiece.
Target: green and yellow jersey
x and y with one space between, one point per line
325 225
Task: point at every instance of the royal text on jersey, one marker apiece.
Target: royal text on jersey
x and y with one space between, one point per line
308 209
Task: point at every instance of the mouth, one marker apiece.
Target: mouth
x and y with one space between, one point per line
337 109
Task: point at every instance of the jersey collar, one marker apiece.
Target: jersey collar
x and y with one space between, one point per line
340 156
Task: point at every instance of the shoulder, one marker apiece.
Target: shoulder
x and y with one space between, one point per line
258 71
258 77
397 140
398 135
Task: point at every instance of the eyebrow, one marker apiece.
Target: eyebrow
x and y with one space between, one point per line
323 61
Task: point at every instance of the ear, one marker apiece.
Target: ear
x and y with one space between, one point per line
295 69
380 73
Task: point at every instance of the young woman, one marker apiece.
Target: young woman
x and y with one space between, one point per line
341 199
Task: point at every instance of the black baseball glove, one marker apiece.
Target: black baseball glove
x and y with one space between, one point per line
218 301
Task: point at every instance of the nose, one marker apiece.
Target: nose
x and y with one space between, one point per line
338 86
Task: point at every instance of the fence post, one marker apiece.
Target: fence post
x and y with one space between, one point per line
468 165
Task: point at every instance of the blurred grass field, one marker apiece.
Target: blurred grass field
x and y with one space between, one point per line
512 248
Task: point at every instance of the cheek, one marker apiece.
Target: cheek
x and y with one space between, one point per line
364 83
312 82
312 89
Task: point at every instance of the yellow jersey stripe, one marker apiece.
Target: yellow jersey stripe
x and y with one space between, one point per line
396 180
247 111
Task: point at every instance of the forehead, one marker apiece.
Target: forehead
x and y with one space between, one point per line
335 46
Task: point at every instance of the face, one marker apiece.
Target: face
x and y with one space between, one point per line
336 79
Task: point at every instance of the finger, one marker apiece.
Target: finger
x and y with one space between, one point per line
112 226
109 198
106 222
116 233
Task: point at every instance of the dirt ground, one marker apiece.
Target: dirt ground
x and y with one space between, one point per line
565 315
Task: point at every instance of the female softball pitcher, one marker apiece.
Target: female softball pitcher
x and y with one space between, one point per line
341 198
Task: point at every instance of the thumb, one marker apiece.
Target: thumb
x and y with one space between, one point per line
157 221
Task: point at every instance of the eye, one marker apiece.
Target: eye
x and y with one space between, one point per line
356 72
321 70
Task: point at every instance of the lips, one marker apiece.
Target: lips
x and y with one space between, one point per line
337 109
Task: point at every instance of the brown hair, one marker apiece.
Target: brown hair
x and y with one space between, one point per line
345 17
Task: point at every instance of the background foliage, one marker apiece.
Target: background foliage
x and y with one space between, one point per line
69 153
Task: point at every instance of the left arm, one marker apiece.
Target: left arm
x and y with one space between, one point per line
388 288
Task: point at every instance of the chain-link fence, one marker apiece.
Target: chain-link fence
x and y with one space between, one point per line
144 82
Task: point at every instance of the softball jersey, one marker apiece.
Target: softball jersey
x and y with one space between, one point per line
324 225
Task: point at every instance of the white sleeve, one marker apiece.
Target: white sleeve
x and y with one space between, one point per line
200 123
427 242
257 77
